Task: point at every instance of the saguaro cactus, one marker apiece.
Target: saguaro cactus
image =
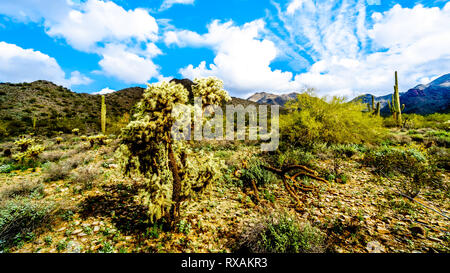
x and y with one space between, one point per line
103 115
374 110
395 107
34 119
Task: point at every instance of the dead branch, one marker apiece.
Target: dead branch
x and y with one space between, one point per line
255 191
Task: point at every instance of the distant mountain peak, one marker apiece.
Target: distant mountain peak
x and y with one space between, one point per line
269 98
423 99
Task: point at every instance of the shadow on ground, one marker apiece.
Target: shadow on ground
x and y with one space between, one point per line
118 202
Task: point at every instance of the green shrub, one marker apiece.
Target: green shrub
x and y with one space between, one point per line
311 119
440 157
409 163
436 121
19 218
280 233
295 156
255 172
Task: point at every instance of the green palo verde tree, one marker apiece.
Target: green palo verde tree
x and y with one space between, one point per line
173 173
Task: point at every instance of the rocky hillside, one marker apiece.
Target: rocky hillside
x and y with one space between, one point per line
57 108
268 98
422 99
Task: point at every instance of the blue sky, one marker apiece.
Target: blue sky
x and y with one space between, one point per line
341 47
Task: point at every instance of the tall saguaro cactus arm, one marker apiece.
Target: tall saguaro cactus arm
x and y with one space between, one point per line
103 114
395 107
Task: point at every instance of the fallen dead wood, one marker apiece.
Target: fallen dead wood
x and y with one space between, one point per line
291 189
255 191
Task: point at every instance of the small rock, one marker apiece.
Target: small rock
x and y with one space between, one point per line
382 230
81 234
375 247
96 228
61 229
73 247
435 239
77 231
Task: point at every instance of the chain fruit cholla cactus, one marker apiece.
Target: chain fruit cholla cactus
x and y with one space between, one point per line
172 171
103 114
395 107
23 143
31 153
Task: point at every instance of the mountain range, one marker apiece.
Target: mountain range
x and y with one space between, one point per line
268 98
423 99
56 108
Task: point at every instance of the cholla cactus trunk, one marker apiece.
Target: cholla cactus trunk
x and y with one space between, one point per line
176 192
103 115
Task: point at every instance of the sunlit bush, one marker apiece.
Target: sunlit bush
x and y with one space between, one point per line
312 119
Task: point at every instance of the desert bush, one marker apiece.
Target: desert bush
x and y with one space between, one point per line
281 233
74 161
85 176
347 150
294 156
56 171
440 157
311 119
255 172
436 121
409 163
20 218
397 139
52 156
25 188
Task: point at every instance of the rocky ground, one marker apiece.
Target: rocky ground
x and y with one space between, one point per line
363 215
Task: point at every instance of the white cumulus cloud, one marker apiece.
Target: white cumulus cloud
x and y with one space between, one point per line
352 55
97 21
242 59
26 65
167 4
104 91
99 27
127 66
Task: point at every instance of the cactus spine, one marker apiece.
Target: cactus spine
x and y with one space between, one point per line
103 114
395 107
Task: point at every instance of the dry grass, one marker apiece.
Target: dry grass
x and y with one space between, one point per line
85 176
24 188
